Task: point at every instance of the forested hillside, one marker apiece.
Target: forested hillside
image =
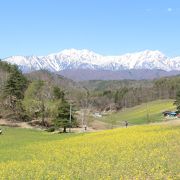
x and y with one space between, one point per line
128 93
73 90
42 95
13 85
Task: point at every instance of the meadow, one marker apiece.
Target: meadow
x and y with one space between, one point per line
141 114
139 152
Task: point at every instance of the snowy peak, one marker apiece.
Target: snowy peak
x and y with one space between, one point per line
85 59
73 55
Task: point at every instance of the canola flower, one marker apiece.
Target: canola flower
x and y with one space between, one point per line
141 152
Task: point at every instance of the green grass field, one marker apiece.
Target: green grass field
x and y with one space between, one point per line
14 138
139 152
144 113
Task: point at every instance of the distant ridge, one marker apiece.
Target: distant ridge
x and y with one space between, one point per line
134 74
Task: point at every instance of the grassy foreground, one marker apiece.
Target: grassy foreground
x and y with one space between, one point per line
141 114
142 152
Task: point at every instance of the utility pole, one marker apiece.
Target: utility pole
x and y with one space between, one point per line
70 114
147 111
83 119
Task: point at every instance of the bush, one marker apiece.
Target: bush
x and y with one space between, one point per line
51 129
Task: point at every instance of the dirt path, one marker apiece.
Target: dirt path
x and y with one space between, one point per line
28 126
174 122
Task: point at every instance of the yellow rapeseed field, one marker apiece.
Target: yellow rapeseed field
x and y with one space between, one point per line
141 152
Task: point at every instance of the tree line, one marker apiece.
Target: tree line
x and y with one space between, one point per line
106 95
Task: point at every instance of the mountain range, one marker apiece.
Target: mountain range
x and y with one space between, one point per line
72 62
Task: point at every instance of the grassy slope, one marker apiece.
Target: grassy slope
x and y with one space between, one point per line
16 138
138 114
142 152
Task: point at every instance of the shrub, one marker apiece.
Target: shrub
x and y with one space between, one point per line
51 129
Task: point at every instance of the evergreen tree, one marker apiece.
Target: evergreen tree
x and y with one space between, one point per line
62 118
177 101
15 87
58 93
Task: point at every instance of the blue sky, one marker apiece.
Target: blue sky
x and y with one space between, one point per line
108 27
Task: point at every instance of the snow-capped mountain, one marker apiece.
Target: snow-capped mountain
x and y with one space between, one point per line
85 59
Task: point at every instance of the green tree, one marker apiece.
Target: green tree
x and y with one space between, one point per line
177 101
58 93
119 97
34 101
64 115
15 87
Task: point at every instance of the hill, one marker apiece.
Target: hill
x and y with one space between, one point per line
100 85
27 96
103 85
133 74
68 85
129 93
141 114
141 152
